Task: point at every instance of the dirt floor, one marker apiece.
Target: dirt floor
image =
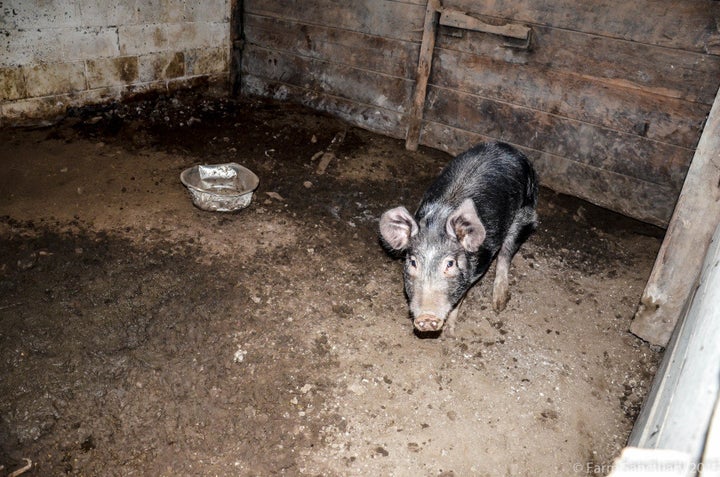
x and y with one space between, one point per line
142 336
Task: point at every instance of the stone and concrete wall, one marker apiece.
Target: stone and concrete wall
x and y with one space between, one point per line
55 54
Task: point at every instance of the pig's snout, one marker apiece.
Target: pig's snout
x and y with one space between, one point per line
428 322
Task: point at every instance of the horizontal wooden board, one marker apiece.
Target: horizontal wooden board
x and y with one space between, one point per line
641 200
388 19
615 63
580 142
636 198
690 25
611 62
572 96
358 50
504 74
363 86
370 117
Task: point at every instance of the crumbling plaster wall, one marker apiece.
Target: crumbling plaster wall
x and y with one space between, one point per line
55 54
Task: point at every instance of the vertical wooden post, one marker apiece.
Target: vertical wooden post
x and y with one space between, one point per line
677 267
432 13
237 36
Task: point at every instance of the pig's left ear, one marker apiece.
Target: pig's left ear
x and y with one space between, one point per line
465 225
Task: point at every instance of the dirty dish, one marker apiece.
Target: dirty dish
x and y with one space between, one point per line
220 187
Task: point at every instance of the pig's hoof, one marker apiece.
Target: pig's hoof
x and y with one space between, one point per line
501 294
500 302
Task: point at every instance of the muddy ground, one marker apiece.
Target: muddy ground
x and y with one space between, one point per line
142 336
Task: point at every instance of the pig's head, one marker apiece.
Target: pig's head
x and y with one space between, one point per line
439 257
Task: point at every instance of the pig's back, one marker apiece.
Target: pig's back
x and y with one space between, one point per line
498 178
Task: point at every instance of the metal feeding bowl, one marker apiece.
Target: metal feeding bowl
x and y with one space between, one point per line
220 187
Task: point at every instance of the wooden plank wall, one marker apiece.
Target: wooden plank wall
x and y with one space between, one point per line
354 59
609 101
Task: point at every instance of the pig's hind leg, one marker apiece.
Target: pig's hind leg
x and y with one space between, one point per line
523 226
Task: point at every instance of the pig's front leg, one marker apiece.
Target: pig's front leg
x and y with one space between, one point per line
501 295
449 329
524 224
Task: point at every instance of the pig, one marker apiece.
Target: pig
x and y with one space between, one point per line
481 207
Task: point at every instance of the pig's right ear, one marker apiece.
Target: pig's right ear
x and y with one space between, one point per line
396 228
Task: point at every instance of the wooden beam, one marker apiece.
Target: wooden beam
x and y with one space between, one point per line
457 19
677 267
423 73
691 27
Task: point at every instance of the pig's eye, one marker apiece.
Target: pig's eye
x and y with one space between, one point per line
450 264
